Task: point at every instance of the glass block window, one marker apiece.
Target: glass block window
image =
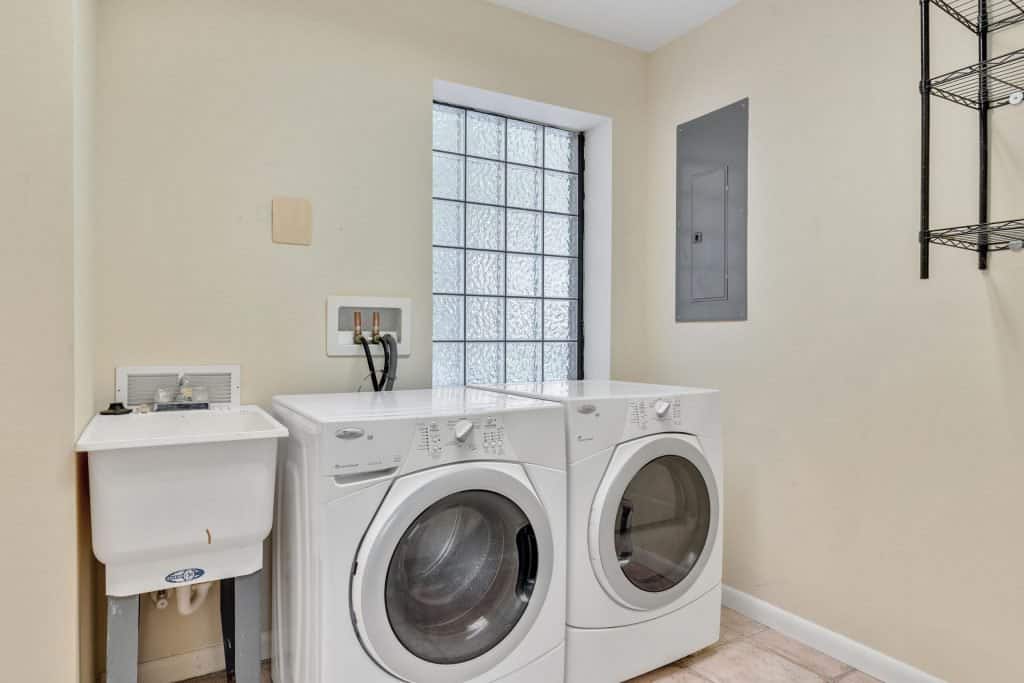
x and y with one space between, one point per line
508 226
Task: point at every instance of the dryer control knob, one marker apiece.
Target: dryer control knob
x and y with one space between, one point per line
661 408
462 430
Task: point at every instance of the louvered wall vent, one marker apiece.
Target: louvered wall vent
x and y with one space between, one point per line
138 385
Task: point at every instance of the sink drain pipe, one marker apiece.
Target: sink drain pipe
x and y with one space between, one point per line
188 603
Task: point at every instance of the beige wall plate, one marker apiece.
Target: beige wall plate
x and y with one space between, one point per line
292 220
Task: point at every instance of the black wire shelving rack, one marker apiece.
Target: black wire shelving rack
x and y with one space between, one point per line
1000 13
1003 78
991 83
999 235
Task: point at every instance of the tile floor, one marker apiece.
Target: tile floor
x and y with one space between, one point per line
748 652
221 677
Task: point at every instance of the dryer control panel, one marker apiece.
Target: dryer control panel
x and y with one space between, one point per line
654 414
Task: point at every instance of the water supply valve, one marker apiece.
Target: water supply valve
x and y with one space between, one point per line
375 328
357 327
159 599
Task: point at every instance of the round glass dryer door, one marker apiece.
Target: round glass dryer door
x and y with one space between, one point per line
662 523
656 518
461 577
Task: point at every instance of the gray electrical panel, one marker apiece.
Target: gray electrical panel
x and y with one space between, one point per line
711 216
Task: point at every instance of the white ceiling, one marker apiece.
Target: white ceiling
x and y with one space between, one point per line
642 24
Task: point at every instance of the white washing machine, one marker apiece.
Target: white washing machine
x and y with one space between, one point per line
645 523
419 536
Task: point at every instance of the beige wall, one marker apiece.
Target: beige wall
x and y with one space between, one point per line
205 110
37 487
872 426
83 103
84 234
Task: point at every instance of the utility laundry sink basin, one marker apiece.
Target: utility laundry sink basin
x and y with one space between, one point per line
180 497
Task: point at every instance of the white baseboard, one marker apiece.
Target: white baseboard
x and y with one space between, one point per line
190 664
857 655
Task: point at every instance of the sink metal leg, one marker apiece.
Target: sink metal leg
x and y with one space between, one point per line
227 624
123 639
247 628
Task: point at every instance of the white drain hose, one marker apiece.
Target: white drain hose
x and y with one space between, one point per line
189 603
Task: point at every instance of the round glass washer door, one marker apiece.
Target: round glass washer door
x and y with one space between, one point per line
654 521
461 577
452 572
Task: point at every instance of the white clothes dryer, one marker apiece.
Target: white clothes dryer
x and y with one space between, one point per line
420 536
645 523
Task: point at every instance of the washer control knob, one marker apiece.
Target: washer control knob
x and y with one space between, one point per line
462 430
661 408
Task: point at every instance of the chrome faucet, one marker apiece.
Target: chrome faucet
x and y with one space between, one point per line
183 383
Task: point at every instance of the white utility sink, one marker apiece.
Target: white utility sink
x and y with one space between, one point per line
180 497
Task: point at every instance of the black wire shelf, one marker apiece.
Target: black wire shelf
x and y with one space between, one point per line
995 236
1000 13
991 83
985 85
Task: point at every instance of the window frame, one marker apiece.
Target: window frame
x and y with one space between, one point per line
505 251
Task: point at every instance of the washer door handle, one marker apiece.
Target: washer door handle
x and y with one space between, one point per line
624 531
526 547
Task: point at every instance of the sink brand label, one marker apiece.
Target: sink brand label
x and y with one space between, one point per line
185 575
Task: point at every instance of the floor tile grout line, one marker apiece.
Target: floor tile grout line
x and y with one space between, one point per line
694 672
689 670
717 645
827 679
799 665
764 628
750 639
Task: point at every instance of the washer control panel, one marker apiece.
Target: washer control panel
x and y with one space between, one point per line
359 448
458 438
654 414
